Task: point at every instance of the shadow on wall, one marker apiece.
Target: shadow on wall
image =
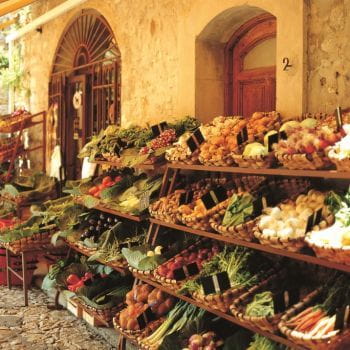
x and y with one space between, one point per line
210 59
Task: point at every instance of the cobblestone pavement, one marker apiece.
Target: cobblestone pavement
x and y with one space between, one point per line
37 328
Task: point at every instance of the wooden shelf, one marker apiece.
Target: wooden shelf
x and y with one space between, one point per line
157 166
221 314
137 218
264 248
122 270
329 174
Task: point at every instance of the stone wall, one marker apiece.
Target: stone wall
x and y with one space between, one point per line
158 40
329 55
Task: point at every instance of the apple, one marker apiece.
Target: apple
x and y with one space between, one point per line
162 270
170 275
180 259
310 149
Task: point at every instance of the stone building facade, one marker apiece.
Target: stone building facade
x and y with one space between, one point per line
171 53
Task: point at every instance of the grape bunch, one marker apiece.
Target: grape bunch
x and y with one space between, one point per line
97 224
163 140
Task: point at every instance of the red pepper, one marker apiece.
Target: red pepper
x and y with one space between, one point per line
76 286
73 279
118 178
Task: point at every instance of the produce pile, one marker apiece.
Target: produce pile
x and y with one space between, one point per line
135 145
138 300
29 188
319 320
7 121
118 190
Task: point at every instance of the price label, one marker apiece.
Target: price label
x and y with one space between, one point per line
314 219
258 205
158 128
195 140
272 139
242 136
144 201
216 283
283 135
186 197
146 317
339 118
342 318
186 271
214 197
285 299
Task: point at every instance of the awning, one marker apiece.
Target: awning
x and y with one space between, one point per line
8 6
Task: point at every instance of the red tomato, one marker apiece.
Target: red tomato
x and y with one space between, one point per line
110 184
97 194
93 190
106 179
101 187
118 178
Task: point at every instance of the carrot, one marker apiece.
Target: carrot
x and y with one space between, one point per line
309 324
310 319
319 325
301 315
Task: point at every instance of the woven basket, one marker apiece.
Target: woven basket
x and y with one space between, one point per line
342 164
238 307
165 209
290 244
34 242
219 301
317 160
223 161
173 283
137 335
189 160
106 314
302 339
85 250
245 231
255 162
340 255
14 126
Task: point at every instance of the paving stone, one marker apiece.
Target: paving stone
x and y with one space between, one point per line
10 321
37 328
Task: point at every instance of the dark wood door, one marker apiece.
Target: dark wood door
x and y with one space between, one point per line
251 78
75 127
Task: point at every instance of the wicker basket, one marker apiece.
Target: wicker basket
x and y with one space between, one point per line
219 301
290 244
105 314
173 283
189 160
317 160
340 255
256 162
34 242
224 161
302 339
245 231
238 307
137 335
342 164
14 126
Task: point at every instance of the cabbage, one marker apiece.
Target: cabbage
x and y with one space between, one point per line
255 149
309 123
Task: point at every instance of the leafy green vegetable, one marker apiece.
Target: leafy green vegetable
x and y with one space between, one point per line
261 343
261 305
239 209
137 258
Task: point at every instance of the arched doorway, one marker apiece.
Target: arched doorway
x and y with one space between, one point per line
250 67
84 85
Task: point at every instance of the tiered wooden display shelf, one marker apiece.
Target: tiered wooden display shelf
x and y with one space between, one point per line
122 270
169 180
26 122
156 166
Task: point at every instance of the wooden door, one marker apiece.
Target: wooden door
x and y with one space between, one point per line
251 69
75 133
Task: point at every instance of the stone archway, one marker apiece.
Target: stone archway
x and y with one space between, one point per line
212 34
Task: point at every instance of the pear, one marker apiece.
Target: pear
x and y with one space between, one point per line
289 125
309 123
